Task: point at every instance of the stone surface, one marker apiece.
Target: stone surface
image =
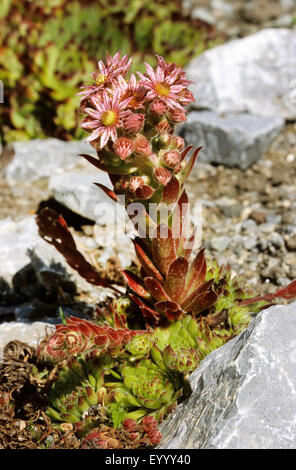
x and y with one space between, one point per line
40 158
28 264
244 393
254 74
76 190
16 239
233 140
29 334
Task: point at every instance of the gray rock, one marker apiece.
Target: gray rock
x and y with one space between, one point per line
40 158
28 262
233 210
233 140
250 242
16 241
244 393
220 243
76 190
27 333
254 74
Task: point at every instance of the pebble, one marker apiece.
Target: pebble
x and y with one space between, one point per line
220 243
291 243
266 227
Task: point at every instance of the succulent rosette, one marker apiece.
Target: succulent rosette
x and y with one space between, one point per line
80 336
140 345
151 386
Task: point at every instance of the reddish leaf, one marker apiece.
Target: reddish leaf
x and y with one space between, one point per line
145 261
144 192
163 248
190 163
94 161
171 191
149 314
288 292
190 299
135 283
171 310
176 278
54 230
142 221
180 215
203 302
156 289
185 151
186 252
196 272
108 192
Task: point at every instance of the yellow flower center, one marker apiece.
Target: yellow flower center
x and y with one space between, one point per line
109 117
100 79
162 89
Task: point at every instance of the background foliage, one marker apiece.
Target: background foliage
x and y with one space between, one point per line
48 48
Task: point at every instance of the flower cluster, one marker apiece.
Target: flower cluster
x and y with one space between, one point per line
131 124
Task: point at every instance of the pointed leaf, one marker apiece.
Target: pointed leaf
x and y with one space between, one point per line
171 310
149 314
196 272
145 261
186 252
179 219
185 151
203 302
201 290
108 192
176 278
156 289
171 191
163 248
288 292
124 169
135 283
190 164
54 230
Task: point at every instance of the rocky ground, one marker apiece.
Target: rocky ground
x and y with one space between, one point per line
249 215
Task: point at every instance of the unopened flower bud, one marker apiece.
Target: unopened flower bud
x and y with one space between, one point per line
171 158
186 96
142 146
158 108
162 175
133 123
177 143
123 147
163 127
177 115
135 182
134 436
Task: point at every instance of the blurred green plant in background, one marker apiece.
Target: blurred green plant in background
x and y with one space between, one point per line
48 48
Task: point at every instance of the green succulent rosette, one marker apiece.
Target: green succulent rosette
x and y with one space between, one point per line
152 387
